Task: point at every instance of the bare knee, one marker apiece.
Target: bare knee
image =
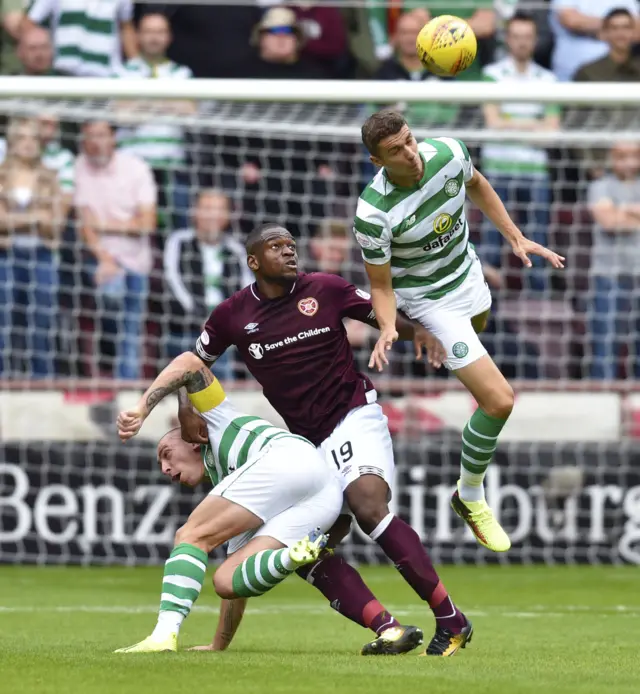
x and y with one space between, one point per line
499 402
369 512
223 583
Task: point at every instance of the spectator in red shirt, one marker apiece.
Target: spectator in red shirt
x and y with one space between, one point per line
325 36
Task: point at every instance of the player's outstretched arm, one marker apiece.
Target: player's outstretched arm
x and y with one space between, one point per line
231 612
482 194
384 305
186 370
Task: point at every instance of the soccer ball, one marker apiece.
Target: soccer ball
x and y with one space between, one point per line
446 45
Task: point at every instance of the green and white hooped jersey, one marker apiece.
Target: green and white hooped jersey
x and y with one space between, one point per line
421 231
235 439
85 33
162 146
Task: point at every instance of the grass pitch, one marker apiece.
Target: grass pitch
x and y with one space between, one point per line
569 630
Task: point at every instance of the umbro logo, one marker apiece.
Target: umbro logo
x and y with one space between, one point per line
251 328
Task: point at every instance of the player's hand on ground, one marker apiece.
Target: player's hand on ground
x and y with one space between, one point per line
378 358
208 647
423 340
193 428
130 421
523 248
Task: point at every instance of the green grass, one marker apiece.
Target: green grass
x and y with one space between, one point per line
569 630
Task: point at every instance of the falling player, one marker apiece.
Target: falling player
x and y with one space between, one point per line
288 329
270 487
413 232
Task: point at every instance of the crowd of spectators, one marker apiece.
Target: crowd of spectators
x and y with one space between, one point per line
117 238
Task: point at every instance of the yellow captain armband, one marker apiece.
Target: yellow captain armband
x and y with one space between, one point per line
210 397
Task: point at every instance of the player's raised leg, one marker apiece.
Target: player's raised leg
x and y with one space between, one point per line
263 563
495 398
214 521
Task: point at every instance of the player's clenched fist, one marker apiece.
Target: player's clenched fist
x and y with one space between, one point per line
130 421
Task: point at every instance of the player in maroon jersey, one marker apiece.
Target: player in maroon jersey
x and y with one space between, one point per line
288 329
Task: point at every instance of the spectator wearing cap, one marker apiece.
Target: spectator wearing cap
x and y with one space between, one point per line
115 200
279 39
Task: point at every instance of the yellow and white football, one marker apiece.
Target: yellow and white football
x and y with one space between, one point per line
446 45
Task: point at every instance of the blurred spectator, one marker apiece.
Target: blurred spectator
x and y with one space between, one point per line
331 250
162 146
279 39
54 156
519 173
614 201
619 65
325 36
577 26
203 266
213 40
11 12
88 38
482 18
405 65
30 221
116 205
505 9
514 355
362 46
35 53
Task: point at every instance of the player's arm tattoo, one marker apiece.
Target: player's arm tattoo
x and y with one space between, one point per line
231 612
186 371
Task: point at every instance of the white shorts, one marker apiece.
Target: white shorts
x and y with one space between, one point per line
290 487
361 445
449 318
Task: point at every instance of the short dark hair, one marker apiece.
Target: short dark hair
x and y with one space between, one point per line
379 126
521 16
616 12
255 236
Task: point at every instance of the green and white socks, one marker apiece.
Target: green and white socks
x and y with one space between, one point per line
262 571
479 441
184 573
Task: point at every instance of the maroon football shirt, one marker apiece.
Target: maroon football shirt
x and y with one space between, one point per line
296 347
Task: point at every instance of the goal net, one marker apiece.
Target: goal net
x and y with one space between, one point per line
209 161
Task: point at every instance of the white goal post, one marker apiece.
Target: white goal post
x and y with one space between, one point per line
566 478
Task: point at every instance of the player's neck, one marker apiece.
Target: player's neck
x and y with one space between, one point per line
406 181
271 289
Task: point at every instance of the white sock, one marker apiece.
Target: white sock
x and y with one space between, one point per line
470 486
169 622
381 527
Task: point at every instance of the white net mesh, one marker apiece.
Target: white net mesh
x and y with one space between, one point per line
565 478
